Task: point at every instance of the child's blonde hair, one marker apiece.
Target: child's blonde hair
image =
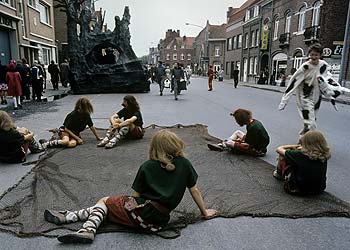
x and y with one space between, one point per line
6 122
84 106
166 145
315 146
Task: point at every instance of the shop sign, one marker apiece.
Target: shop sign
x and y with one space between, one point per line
338 50
6 22
327 52
265 37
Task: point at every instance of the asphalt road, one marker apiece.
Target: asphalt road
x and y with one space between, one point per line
197 105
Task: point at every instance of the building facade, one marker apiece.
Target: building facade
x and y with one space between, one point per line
176 49
27 31
276 35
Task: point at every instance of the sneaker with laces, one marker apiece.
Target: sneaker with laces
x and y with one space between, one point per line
110 145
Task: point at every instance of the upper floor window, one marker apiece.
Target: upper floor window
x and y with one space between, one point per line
182 46
9 2
246 40
253 39
174 57
217 51
239 41
316 14
32 3
44 13
234 43
257 38
275 30
256 10
287 23
247 15
301 23
189 57
174 47
167 57
182 57
229 43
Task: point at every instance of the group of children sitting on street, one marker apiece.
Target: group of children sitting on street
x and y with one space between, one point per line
161 181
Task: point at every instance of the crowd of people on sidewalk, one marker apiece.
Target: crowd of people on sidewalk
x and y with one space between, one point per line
22 82
162 179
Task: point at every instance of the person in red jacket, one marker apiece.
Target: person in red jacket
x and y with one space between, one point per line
13 80
210 77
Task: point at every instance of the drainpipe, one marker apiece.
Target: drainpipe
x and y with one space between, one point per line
270 44
346 50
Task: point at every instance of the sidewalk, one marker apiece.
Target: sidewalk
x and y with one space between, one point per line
343 99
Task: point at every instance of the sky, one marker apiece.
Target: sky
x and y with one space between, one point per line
150 19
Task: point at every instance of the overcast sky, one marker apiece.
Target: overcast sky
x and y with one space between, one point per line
150 19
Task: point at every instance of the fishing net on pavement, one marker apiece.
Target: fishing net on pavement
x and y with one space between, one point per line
235 185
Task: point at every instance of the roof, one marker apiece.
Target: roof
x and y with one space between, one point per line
240 13
217 31
179 41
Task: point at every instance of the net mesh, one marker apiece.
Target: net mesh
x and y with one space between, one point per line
235 185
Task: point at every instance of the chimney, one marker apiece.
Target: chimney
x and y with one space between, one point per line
178 33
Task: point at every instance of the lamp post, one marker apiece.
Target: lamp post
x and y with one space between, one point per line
206 38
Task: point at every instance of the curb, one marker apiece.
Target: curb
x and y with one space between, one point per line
51 98
341 101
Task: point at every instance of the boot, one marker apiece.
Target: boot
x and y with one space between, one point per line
87 233
65 217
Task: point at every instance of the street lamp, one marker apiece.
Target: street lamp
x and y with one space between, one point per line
194 25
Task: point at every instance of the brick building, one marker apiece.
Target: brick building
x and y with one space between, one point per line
27 30
210 47
276 35
176 49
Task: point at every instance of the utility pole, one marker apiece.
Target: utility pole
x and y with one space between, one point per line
346 52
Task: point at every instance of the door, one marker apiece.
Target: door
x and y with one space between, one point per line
245 69
5 50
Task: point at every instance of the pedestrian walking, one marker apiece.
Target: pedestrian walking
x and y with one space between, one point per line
24 70
177 76
159 187
64 67
210 75
36 80
54 73
13 80
160 74
235 76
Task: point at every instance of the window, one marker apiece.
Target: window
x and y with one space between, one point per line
167 57
253 39
316 14
247 15
229 43
251 65
257 38
182 46
239 41
255 65
246 39
234 44
275 30
46 56
301 22
256 11
175 57
44 13
288 20
174 47
168 47
32 3
188 57
182 57
217 51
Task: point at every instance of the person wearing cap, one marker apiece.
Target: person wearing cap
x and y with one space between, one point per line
254 142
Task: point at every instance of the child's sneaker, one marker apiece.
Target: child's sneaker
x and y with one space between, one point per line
216 147
277 175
